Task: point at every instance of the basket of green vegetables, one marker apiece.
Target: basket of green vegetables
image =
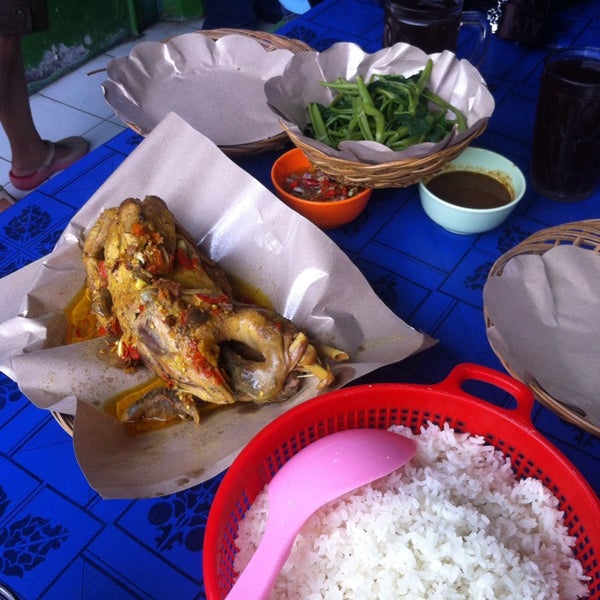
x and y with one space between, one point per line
386 119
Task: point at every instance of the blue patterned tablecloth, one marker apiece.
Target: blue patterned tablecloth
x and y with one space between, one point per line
59 539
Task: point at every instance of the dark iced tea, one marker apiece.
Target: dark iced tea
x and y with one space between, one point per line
565 161
429 24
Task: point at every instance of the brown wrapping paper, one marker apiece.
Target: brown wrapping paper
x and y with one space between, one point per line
198 78
257 239
544 311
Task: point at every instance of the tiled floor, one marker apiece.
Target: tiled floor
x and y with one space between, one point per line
74 105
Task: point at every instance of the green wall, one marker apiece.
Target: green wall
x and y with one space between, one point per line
181 9
79 30
82 29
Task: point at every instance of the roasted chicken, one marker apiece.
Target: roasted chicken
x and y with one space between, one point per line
171 307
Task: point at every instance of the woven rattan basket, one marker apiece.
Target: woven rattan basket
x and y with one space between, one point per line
585 234
65 421
401 173
270 42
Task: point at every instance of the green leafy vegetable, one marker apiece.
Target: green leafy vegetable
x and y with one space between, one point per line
394 110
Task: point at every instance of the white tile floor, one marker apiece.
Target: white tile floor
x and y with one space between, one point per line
74 104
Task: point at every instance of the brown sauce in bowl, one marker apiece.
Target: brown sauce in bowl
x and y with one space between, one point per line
470 189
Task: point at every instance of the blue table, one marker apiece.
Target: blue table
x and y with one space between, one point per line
59 539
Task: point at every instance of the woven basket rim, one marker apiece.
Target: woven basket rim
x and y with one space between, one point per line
66 422
399 173
270 41
585 234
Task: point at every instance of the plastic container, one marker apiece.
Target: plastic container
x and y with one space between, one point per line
382 405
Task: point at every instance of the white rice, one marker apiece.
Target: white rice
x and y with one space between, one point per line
454 523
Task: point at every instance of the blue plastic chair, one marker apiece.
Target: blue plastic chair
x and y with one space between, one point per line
298 7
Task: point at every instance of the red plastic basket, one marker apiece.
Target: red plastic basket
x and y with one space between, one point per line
382 405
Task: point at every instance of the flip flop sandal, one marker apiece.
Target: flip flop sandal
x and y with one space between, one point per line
6 200
77 146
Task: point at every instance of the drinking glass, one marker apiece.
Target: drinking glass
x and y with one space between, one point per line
565 161
434 25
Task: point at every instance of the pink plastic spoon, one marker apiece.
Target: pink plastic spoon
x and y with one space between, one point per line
320 472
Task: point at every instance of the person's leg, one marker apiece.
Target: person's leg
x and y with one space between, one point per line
33 159
28 150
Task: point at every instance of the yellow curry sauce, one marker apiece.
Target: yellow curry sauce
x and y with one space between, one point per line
81 323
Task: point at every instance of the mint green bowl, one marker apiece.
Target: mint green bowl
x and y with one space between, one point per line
458 219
